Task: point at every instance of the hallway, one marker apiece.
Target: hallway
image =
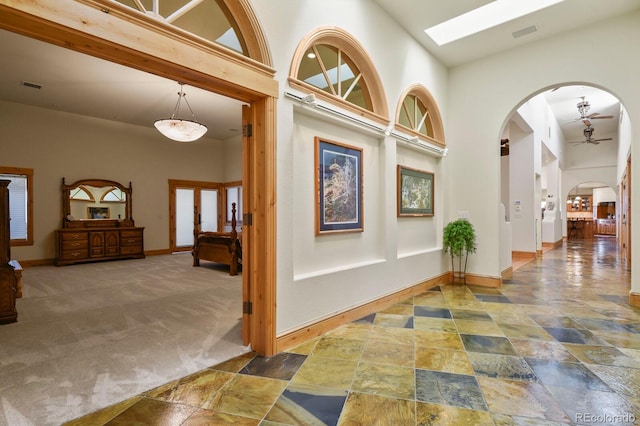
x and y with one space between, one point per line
557 344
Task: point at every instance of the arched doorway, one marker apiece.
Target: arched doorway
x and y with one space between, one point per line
557 138
139 42
591 211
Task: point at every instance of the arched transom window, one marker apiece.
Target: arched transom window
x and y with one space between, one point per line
418 114
332 70
209 19
332 64
229 23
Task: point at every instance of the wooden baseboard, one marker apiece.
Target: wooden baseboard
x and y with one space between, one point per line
634 299
507 273
524 254
553 245
49 262
483 281
37 262
319 328
157 252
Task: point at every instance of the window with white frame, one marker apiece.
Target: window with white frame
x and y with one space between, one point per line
20 204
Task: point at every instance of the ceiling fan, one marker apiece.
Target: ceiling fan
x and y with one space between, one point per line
585 117
588 137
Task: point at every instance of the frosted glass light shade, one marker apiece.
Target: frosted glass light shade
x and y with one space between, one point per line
180 130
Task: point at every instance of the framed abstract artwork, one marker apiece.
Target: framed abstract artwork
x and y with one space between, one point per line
98 212
338 170
415 192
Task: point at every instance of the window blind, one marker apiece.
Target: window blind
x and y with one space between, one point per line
17 207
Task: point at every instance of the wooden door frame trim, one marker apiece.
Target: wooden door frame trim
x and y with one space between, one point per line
153 49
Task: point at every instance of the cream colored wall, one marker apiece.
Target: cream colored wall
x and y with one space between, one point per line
57 145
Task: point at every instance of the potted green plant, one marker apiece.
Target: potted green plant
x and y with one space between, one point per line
459 239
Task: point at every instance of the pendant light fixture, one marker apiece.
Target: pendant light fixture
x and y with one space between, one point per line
178 129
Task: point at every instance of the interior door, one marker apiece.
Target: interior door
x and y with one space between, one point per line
192 204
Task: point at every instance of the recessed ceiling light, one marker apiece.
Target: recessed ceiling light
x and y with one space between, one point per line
483 18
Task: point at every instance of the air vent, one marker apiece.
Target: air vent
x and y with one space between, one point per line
524 31
31 85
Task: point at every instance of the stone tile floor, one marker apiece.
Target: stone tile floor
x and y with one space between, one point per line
557 344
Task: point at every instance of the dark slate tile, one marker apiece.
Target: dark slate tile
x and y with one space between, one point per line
366 320
409 323
488 344
492 298
282 366
425 311
442 388
566 374
602 324
308 405
574 335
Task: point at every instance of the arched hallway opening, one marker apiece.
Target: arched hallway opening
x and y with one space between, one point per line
561 150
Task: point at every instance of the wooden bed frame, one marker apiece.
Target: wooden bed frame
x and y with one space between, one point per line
219 247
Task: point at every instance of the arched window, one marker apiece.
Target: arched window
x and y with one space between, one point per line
81 194
113 195
229 23
331 64
418 114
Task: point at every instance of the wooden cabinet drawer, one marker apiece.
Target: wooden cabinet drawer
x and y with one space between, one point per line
131 233
73 245
74 236
131 249
130 241
75 254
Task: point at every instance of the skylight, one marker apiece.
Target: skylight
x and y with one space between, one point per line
483 18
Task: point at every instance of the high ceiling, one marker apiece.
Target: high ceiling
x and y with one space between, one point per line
81 84
417 15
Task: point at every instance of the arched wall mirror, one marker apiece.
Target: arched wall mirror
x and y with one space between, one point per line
96 202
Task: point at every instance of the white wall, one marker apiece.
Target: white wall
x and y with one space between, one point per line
319 276
56 145
522 190
502 82
601 195
625 136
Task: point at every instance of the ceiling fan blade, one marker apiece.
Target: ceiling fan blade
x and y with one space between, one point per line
599 117
600 140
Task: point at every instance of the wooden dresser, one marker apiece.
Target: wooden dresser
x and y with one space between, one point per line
97 223
92 244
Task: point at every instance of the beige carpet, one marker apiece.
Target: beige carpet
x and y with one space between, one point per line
94 334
